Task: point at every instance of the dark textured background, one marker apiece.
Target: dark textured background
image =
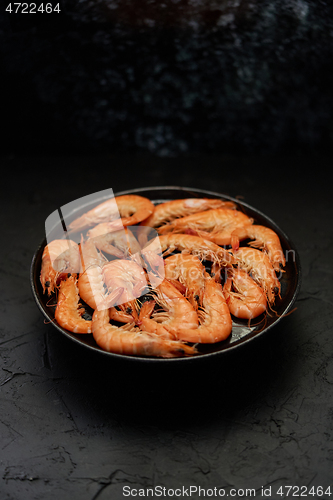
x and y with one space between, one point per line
231 96
170 77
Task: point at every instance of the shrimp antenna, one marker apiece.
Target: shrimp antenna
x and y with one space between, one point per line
48 322
284 315
263 320
50 305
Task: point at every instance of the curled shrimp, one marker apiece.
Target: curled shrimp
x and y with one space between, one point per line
177 311
126 274
90 283
257 263
59 256
245 298
130 340
215 320
263 238
132 209
67 313
167 212
189 271
120 243
202 248
214 225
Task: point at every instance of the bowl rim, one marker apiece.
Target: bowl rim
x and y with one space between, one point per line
241 343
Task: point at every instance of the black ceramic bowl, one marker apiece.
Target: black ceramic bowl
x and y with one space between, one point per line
242 332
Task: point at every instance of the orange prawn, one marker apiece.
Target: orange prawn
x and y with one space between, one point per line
67 313
126 274
120 243
190 272
59 256
264 238
132 209
245 298
90 283
177 310
167 212
215 320
130 340
202 248
214 225
257 263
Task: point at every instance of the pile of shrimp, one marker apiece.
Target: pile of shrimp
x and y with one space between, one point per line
163 295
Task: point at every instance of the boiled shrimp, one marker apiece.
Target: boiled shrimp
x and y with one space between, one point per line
189 271
215 320
177 311
126 274
245 298
264 238
59 256
167 212
120 243
130 340
214 225
132 209
257 263
90 283
67 313
204 249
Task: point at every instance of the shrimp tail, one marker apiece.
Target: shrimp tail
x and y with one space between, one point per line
234 242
